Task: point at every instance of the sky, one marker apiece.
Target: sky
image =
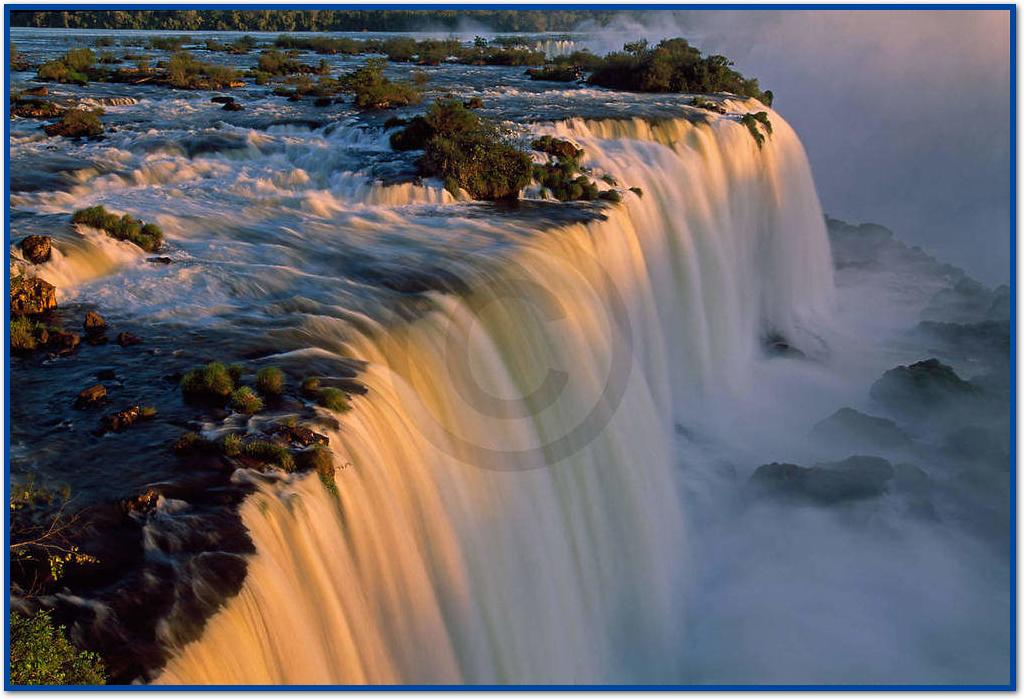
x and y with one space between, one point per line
904 114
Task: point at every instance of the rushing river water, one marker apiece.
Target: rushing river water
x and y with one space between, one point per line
556 407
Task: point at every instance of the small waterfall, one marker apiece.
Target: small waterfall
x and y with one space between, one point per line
507 504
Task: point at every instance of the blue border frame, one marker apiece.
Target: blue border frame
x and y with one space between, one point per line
1011 686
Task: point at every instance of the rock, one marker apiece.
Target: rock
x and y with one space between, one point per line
91 396
855 478
61 342
296 434
32 296
41 91
232 107
94 323
473 103
124 419
142 503
322 102
849 428
36 109
162 260
222 99
775 345
127 339
921 388
36 248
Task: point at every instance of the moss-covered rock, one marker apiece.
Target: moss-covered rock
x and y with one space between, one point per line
211 382
76 123
147 236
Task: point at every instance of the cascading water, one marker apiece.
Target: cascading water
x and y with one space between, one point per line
507 505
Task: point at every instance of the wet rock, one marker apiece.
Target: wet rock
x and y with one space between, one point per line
297 434
855 478
41 91
473 103
124 419
94 323
161 260
32 296
142 503
36 248
775 345
36 109
61 342
849 428
126 339
322 102
91 396
232 107
222 99
921 388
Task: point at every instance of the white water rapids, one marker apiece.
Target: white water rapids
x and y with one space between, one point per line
508 505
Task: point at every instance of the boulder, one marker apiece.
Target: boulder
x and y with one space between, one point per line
297 434
36 248
61 342
161 260
41 91
32 296
94 323
91 396
232 107
322 102
222 99
124 419
127 339
921 388
855 478
848 428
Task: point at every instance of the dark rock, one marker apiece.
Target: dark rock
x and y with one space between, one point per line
61 342
41 91
297 434
91 396
162 260
127 339
855 478
775 345
222 99
473 103
322 102
143 502
124 419
36 248
94 323
32 296
232 107
36 109
849 428
921 388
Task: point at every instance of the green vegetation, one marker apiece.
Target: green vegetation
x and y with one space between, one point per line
232 445
147 236
212 381
561 176
754 122
671 66
270 381
321 459
23 335
42 655
310 386
269 452
561 73
333 399
373 90
187 73
76 123
244 400
466 151
169 43
74 67
708 105
192 442
274 62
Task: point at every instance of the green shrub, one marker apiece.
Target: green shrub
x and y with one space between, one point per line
244 400
310 386
76 123
321 460
563 73
210 381
42 655
333 399
147 236
79 60
373 90
671 66
232 444
466 151
23 335
754 122
73 67
270 381
185 72
275 62
270 453
169 43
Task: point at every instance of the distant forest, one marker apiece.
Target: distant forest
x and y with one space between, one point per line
312 20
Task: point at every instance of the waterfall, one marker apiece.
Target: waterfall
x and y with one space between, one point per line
508 497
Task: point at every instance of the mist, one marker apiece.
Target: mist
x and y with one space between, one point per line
904 114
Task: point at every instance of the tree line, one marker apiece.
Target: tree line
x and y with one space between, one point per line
311 20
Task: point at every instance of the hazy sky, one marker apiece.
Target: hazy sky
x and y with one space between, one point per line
904 114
